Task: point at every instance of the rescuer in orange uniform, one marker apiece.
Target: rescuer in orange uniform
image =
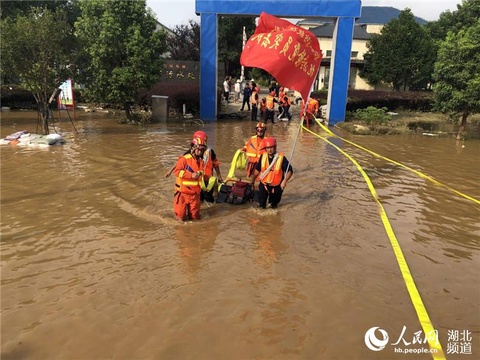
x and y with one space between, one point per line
274 171
270 103
211 163
284 105
312 110
189 172
253 147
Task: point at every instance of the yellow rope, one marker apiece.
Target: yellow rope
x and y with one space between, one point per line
415 297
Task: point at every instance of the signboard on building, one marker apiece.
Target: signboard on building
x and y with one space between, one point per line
177 71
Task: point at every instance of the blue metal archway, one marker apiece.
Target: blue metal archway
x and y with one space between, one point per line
343 12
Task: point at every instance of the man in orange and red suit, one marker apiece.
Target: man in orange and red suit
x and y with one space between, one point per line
312 110
253 147
211 163
274 171
189 172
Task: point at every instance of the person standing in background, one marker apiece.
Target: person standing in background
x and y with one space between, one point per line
237 90
226 88
247 91
270 107
254 102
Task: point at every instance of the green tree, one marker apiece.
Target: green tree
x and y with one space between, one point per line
121 50
185 45
36 49
466 15
402 54
230 39
457 74
13 8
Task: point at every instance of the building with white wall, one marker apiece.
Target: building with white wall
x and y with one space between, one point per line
371 22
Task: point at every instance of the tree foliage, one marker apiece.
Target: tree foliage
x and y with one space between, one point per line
121 50
230 40
185 45
457 73
466 15
11 8
36 50
402 54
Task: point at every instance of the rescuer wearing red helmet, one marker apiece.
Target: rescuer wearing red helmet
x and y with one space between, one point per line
210 163
253 147
274 171
189 172
311 112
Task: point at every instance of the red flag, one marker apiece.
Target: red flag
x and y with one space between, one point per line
288 52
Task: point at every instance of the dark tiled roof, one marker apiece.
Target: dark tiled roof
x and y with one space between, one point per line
370 15
381 15
326 30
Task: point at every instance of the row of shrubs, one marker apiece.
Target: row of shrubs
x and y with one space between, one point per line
392 100
180 94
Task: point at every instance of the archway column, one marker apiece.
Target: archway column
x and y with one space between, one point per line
208 66
340 70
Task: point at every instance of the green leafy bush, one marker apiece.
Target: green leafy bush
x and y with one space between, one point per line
373 116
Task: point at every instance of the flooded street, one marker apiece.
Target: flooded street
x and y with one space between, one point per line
95 266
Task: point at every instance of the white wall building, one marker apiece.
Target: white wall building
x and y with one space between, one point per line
371 22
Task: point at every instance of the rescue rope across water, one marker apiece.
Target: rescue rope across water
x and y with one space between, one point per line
415 297
422 175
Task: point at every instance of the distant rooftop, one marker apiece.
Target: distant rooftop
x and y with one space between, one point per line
379 15
326 30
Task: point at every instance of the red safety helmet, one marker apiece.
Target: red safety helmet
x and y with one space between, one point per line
200 134
199 138
269 142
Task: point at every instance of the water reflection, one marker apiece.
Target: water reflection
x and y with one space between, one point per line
266 229
195 241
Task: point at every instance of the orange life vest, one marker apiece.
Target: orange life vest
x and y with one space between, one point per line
263 104
184 181
253 99
286 100
275 175
253 148
270 102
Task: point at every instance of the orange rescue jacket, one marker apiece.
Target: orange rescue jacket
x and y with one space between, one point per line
253 148
270 102
254 97
275 175
185 168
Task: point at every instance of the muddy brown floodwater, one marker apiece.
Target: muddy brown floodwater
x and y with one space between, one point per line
94 265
